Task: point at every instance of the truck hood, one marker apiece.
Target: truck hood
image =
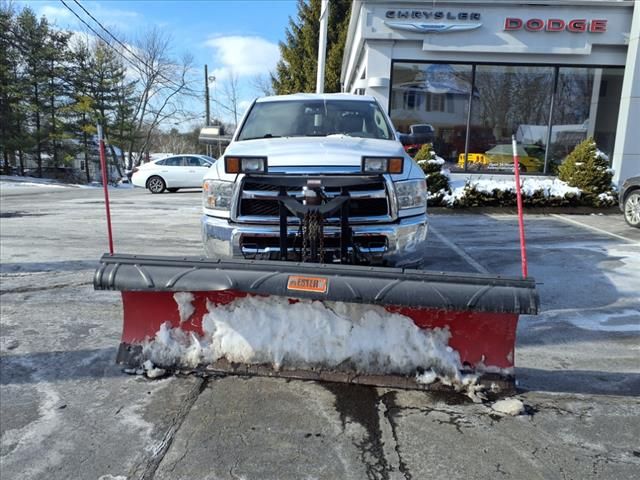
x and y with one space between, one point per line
332 154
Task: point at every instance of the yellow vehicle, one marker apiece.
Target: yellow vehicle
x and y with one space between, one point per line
500 157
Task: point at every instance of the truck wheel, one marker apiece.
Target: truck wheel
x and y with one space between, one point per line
156 184
632 209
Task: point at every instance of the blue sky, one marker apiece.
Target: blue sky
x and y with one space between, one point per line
239 36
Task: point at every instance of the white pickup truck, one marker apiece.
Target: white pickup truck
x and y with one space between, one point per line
334 150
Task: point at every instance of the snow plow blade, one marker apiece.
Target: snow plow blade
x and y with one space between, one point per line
476 315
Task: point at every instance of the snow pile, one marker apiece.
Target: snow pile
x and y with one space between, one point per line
549 188
433 161
607 198
308 334
152 371
509 406
18 181
601 154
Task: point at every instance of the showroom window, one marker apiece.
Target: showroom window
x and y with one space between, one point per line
442 93
475 109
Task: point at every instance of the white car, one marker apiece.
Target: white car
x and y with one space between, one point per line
172 173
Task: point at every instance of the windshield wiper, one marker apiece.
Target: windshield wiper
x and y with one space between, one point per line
266 135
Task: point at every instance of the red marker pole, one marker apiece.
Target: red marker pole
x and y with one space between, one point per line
103 167
523 247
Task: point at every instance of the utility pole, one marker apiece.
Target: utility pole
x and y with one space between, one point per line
206 94
322 45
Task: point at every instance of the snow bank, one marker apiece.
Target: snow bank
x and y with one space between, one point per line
549 187
17 181
308 334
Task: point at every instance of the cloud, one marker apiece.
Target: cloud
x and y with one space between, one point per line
55 14
243 55
107 15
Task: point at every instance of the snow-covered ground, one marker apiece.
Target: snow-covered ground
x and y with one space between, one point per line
16 181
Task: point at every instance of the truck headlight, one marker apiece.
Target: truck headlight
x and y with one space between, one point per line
216 194
382 164
411 193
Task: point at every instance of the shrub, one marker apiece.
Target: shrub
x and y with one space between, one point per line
437 176
587 168
535 193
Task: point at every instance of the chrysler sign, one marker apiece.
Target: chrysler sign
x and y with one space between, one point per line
578 25
465 20
432 15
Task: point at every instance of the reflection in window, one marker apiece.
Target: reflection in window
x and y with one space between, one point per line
506 100
511 101
435 95
586 105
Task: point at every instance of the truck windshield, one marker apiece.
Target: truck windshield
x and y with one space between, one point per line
315 118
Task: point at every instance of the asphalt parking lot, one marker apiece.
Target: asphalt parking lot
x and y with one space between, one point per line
67 411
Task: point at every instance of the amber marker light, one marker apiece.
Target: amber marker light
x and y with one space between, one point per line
232 164
395 164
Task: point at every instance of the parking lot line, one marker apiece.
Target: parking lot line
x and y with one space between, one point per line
458 250
595 229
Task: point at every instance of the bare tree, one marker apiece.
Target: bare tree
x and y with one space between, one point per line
231 92
163 85
262 84
172 141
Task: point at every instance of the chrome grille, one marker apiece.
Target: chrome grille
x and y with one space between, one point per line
368 202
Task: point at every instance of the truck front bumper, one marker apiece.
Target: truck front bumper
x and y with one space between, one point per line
398 244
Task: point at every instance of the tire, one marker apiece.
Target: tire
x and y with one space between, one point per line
172 190
156 184
632 208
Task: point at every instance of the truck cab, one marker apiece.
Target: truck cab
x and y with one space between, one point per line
316 148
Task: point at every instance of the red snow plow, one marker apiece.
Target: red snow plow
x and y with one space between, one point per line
476 314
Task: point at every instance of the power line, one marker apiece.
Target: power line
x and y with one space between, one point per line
131 52
108 43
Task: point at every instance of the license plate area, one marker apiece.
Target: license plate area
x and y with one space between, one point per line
303 283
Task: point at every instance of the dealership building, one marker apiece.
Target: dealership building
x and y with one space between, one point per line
478 72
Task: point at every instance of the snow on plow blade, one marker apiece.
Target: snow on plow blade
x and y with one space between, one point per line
377 326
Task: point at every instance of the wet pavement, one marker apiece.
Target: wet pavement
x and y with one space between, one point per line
67 411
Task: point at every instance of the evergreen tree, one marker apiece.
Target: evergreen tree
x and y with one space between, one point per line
9 91
587 168
57 91
105 86
437 176
32 35
297 69
82 107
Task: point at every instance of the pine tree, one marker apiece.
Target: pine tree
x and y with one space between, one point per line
82 107
297 69
9 91
437 177
587 168
57 91
108 75
32 35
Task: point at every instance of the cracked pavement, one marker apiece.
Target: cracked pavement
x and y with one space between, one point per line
67 411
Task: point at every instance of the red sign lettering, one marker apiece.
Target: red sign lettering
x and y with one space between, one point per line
512 24
577 25
534 25
555 25
598 26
